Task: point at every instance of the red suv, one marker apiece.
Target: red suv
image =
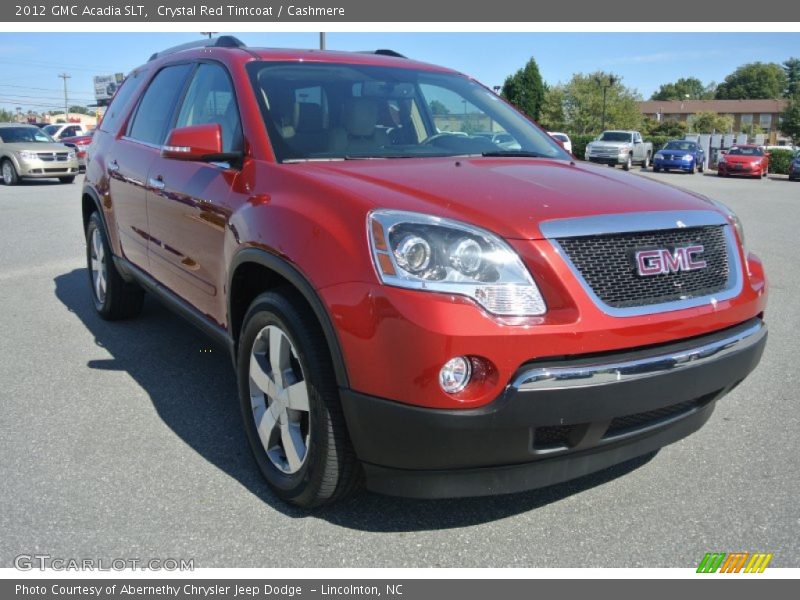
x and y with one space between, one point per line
408 303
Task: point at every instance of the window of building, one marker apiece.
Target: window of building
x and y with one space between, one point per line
765 122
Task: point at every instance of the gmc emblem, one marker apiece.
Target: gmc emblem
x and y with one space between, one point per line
663 261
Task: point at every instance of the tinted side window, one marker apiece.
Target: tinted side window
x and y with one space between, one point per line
210 99
155 108
119 104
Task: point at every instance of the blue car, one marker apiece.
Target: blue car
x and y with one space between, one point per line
794 168
681 155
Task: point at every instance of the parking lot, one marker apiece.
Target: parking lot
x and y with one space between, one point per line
124 439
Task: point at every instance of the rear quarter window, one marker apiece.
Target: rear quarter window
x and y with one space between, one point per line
121 102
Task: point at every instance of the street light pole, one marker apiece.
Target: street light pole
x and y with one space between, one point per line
605 84
322 40
64 76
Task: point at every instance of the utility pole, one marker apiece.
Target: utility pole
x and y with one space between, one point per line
322 40
64 76
208 33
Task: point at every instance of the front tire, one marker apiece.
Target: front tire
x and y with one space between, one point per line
628 164
656 169
69 179
114 298
290 403
9 172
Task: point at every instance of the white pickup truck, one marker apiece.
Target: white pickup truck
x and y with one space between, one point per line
624 148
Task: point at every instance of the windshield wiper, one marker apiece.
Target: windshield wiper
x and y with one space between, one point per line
513 153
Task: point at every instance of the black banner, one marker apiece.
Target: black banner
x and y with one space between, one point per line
464 11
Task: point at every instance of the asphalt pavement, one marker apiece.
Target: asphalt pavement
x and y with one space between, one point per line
123 440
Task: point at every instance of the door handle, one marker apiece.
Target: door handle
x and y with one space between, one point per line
157 183
113 166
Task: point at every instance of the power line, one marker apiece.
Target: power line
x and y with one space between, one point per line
30 87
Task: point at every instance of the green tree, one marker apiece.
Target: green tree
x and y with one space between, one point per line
438 108
686 87
665 127
525 90
791 119
79 110
711 122
6 116
753 80
582 103
552 115
791 68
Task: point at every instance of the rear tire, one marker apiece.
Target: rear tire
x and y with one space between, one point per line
646 162
69 179
701 167
299 439
9 172
114 298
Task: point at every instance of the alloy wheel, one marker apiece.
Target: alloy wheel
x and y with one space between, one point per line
279 399
99 267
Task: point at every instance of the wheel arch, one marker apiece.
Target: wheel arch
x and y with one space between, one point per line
254 261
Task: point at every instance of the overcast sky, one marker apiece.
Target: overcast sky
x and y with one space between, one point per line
30 62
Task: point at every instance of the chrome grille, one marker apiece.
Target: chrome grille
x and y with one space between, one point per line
607 264
53 156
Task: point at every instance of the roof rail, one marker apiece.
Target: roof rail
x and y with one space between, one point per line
383 52
223 41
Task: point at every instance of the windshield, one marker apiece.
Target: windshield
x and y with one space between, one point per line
688 146
746 152
14 135
615 136
51 129
319 111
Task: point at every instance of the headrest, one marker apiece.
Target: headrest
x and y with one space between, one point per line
307 116
360 116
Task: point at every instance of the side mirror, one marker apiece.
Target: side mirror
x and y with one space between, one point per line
723 151
197 143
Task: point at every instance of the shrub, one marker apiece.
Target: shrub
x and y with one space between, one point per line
779 161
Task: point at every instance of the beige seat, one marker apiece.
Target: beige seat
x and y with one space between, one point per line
358 133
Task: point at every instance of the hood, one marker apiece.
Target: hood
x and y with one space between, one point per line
509 196
599 143
740 158
671 152
36 147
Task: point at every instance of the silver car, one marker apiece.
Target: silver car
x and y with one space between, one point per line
27 152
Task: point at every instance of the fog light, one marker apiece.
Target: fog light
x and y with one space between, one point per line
455 374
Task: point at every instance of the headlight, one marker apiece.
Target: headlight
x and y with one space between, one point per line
721 159
71 155
659 155
27 155
624 150
421 252
737 224
688 157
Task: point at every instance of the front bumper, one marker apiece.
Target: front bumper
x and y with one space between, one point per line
607 159
36 169
556 420
666 163
739 169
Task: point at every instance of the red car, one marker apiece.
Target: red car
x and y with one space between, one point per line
428 312
749 160
80 143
